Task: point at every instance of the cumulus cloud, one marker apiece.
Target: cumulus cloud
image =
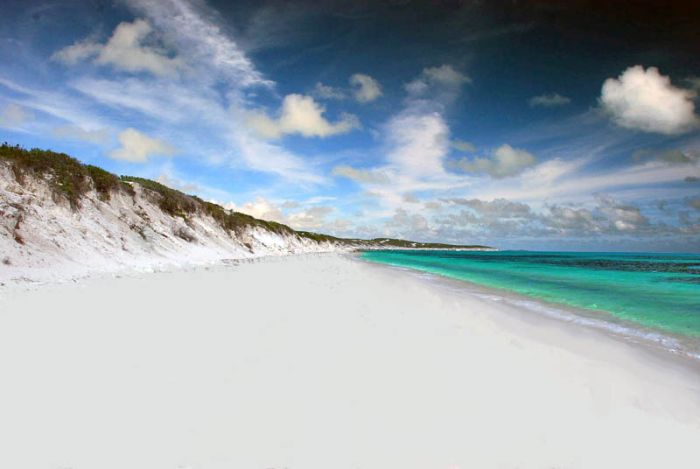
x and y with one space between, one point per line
508 218
14 115
261 208
441 84
294 214
366 88
409 225
313 218
571 220
494 208
549 100
301 115
361 175
73 132
416 143
77 52
645 100
623 217
125 50
505 161
137 147
419 141
445 74
363 88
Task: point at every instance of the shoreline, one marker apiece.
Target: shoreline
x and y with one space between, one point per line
656 340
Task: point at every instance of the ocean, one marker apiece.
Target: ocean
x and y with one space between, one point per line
654 295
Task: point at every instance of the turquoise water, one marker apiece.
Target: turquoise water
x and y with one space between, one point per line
658 291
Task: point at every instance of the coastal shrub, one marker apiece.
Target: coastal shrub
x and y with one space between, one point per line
237 222
171 201
66 176
319 238
104 182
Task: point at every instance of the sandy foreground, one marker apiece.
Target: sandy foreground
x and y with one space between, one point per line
324 361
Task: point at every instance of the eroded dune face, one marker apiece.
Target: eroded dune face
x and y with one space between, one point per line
43 238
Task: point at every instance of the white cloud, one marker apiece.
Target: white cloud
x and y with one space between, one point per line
646 100
409 225
322 91
314 217
261 208
199 37
14 115
570 180
363 88
137 147
440 84
77 52
503 218
549 100
301 115
416 144
73 132
210 127
622 217
419 142
446 74
125 50
55 103
366 88
361 175
263 156
506 161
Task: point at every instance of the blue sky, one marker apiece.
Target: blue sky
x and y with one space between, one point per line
516 124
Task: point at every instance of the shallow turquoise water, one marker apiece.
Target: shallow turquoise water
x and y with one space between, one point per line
659 291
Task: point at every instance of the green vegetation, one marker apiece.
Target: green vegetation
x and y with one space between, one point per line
66 175
170 201
236 221
320 238
105 182
71 179
401 243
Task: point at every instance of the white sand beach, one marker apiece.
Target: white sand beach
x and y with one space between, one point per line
322 361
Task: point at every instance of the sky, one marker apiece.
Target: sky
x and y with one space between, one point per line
521 125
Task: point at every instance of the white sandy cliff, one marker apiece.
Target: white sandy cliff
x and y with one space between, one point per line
43 238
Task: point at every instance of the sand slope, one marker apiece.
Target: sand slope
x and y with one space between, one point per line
322 361
43 239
